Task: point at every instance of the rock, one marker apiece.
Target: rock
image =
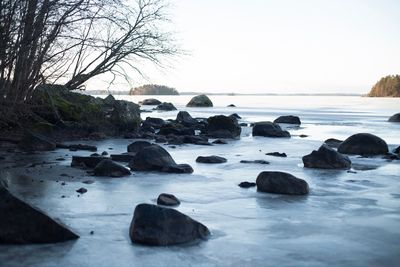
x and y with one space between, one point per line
363 144
124 157
220 142
269 129
76 147
167 200
257 161
235 115
166 107
247 184
281 183
175 129
211 159
109 100
36 142
109 168
137 146
89 162
125 115
81 190
276 154
223 127
397 150
104 153
156 158
288 119
184 118
200 101
231 106
161 139
332 142
395 118
326 158
154 225
155 123
21 223
150 102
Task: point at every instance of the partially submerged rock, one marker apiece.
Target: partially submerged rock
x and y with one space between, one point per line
223 127
150 102
257 161
156 123
89 162
395 118
156 158
165 106
247 184
220 142
363 144
109 168
211 159
326 158
36 142
76 147
276 154
176 129
200 101
124 157
20 223
288 120
159 226
137 146
281 183
397 150
167 200
269 129
333 142
184 118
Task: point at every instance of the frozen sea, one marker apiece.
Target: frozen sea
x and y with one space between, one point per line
348 219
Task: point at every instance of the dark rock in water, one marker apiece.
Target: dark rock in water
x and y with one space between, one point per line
247 184
81 190
124 157
269 129
184 118
257 161
89 162
276 154
303 136
104 153
36 142
235 115
21 223
243 124
175 129
397 150
211 159
156 158
77 147
395 118
125 115
166 106
200 101
95 155
107 167
363 144
188 139
138 145
150 102
155 123
288 119
326 158
220 142
167 200
281 183
159 226
332 142
223 127
161 139
392 156
231 106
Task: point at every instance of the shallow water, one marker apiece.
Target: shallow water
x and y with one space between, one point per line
348 219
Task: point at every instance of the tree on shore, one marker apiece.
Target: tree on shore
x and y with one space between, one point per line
71 41
388 86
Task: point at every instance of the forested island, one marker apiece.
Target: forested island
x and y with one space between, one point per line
388 86
153 89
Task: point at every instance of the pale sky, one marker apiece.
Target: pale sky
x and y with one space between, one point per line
282 46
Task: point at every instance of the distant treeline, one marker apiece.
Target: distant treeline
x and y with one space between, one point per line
388 86
153 89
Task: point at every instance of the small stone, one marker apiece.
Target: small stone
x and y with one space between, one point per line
167 200
104 153
277 154
81 190
247 184
211 159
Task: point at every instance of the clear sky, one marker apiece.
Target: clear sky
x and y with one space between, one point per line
286 46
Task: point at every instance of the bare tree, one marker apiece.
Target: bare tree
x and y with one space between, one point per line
72 41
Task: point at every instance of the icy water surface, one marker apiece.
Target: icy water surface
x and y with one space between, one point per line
348 219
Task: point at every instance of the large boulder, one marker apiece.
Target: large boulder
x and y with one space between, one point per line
109 168
165 106
395 118
281 183
150 102
156 123
125 115
200 101
156 158
183 117
221 126
211 159
159 226
137 146
288 119
36 142
89 162
326 158
21 223
269 129
363 144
